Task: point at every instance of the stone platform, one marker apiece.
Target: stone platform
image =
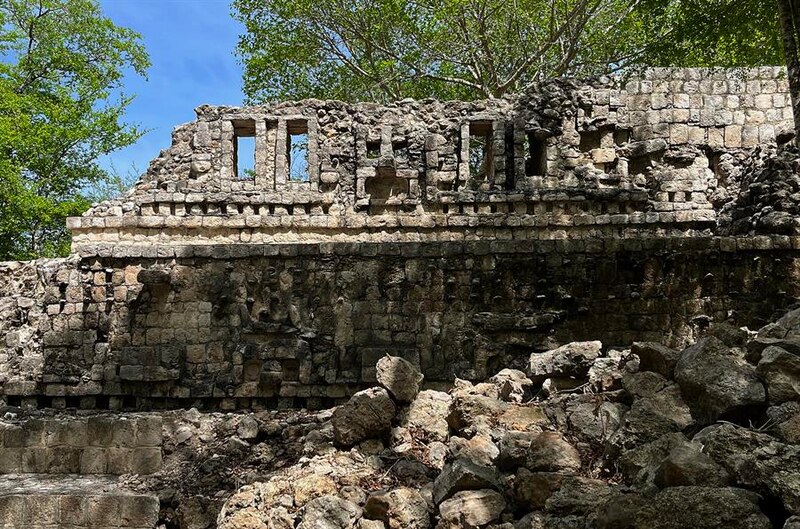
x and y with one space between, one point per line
43 501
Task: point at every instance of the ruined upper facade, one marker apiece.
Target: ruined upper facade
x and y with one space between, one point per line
605 158
461 236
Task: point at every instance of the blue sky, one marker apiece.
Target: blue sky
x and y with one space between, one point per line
191 45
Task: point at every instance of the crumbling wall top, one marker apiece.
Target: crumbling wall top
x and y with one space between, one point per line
595 158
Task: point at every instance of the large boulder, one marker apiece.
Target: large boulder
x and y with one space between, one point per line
368 414
550 452
756 460
785 419
426 416
533 489
702 508
512 385
570 360
640 465
780 371
651 417
329 512
401 508
656 357
400 377
513 447
717 382
463 475
471 509
687 464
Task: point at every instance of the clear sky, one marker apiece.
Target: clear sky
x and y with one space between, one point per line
191 45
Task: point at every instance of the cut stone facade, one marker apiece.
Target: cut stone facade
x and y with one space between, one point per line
461 236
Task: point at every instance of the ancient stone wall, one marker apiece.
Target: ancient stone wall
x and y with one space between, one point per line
601 159
462 236
304 324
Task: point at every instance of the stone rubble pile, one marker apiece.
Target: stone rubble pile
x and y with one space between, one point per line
645 438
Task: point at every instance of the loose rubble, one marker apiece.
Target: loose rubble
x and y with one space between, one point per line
666 439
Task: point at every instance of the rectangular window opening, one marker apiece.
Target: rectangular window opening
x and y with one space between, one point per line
535 155
480 149
373 149
244 149
297 150
400 150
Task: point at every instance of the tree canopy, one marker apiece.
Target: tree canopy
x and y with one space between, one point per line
388 49
60 109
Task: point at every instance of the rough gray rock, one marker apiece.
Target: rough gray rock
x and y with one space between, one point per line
463 475
427 415
716 381
512 384
471 509
786 421
533 489
639 466
702 508
780 371
656 357
329 512
687 464
247 429
570 360
651 417
514 448
400 377
595 423
550 452
368 414
756 460
402 508
607 371
792 523
578 496
479 449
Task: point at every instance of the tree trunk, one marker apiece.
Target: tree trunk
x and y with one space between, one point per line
789 14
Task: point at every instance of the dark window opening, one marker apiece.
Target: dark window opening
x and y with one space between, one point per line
535 155
373 149
400 150
244 149
590 139
621 136
297 150
480 149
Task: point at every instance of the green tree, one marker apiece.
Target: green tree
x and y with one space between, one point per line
60 109
389 49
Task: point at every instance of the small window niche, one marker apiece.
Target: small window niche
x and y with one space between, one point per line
373 150
480 149
535 154
244 149
297 150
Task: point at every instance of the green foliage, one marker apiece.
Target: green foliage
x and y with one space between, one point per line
710 33
389 49
62 63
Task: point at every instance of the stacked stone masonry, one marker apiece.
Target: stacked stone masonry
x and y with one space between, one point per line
606 158
99 444
462 236
36 502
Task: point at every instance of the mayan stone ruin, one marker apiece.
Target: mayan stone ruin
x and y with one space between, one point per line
568 245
